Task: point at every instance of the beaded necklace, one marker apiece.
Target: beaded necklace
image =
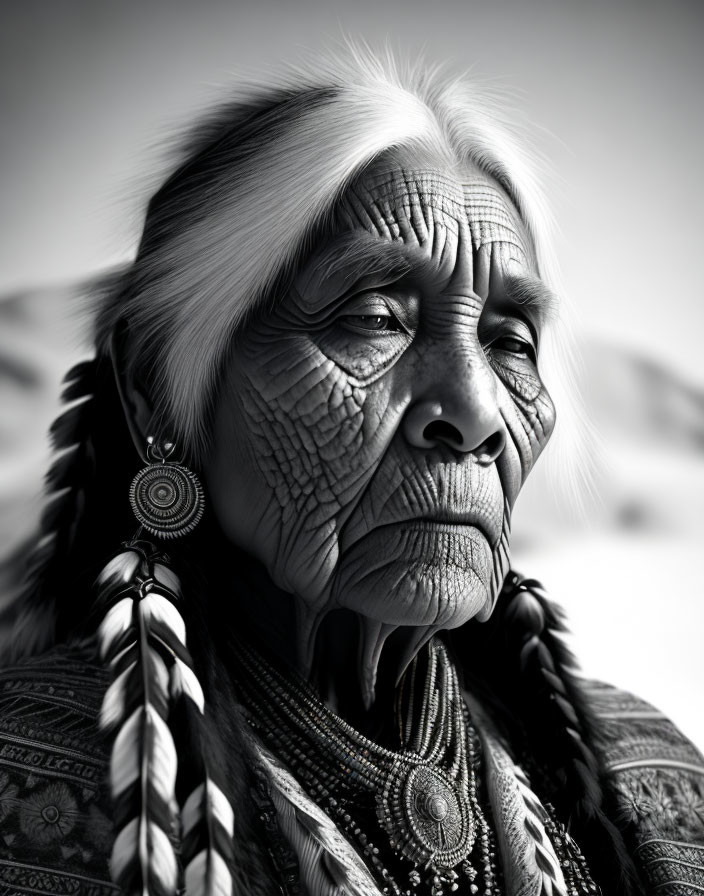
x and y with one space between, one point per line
414 814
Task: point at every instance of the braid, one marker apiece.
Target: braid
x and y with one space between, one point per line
519 664
65 486
154 708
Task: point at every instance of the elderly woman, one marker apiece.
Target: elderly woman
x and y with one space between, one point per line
315 673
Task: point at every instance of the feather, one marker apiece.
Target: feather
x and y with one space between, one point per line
143 637
208 875
545 858
34 610
159 609
207 872
112 710
221 808
336 870
207 818
116 624
79 382
185 681
143 762
62 472
144 746
125 846
120 570
324 856
57 513
160 858
168 578
71 427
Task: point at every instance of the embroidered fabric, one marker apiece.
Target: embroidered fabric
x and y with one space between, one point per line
659 784
55 827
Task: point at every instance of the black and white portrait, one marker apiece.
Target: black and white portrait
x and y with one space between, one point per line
351 471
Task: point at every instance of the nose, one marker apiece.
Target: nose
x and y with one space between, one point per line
463 415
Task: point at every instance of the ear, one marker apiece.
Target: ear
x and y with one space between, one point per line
136 403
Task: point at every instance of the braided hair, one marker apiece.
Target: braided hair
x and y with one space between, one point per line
75 532
520 666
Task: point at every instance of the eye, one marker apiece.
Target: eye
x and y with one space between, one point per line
515 346
372 316
375 322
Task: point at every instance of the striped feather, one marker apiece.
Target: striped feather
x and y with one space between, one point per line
207 818
116 624
553 881
144 747
114 701
143 764
185 682
207 872
143 639
120 569
329 864
221 808
168 578
208 875
159 609
125 846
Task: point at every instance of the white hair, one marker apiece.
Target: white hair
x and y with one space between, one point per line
260 176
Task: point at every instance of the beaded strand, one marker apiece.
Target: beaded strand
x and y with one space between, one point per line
333 761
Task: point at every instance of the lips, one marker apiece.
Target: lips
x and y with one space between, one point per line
445 524
449 501
442 523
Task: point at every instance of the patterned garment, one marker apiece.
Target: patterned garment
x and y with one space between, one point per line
659 777
55 829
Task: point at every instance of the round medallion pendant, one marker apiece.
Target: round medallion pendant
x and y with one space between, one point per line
167 499
425 815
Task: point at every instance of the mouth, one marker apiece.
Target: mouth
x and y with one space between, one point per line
431 497
447 523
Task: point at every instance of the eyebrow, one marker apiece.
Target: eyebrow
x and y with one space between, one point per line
352 260
533 295
357 258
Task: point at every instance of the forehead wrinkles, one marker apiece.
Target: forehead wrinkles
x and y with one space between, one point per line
403 205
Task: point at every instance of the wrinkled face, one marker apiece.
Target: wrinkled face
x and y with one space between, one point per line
373 431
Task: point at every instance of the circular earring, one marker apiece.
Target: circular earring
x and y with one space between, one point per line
166 497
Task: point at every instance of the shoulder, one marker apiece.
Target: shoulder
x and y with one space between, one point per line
658 782
55 829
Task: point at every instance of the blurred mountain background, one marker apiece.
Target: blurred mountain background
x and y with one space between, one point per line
610 90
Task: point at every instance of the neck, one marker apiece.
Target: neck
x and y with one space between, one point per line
338 671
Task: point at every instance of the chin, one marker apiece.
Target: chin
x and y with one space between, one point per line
423 574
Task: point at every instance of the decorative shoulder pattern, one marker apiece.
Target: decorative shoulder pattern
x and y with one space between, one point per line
659 784
55 828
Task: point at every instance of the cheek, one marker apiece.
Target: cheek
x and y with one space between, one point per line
529 415
296 444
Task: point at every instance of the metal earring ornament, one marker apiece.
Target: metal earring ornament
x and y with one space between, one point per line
166 497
